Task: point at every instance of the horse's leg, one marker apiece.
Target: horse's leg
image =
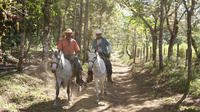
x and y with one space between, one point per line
102 87
97 90
104 84
58 84
69 92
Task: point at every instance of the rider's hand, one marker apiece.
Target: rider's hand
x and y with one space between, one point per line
99 51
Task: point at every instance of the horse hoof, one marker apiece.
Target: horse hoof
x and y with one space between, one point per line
102 97
97 102
54 104
69 103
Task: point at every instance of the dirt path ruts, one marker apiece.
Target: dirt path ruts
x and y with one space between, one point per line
125 95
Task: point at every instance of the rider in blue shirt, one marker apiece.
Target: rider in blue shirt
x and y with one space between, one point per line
100 45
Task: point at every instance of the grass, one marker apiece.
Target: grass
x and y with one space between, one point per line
172 81
22 90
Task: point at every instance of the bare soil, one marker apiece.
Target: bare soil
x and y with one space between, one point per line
126 94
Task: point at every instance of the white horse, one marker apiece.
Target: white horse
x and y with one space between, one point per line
98 67
63 73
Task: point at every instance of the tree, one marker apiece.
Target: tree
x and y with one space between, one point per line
80 24
21 57
46 12
85 31
189 6
149 17
161 35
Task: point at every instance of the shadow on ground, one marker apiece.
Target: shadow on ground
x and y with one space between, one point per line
126 91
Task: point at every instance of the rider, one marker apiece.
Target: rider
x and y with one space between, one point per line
71 51
100 45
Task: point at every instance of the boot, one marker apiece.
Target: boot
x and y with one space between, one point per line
79 79
90 76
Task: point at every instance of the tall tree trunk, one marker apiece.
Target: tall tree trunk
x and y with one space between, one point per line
80 24
186 58
85 30
190 10
46 13
154 38
174 31
74 22
161 36
60 25
189 37
135 52
23 35
150 52
133 48
147 53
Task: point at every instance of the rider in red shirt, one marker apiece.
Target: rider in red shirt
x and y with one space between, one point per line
71 50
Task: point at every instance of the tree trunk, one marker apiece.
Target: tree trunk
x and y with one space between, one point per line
189 36
133 49
154 38
85 31
127 51
186 58
173 32
80 24
190 10
20 63
161 36
46 13
135 52
74 22
150 52
147 53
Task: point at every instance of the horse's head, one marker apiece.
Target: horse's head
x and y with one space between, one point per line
92 58
55 60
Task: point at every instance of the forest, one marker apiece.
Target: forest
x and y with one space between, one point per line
155 51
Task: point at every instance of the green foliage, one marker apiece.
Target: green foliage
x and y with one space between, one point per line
195 88
182 52
174 78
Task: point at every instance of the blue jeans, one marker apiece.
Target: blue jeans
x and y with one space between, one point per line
77 63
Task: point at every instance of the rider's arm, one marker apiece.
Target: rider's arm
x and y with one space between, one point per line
76 48
109 46
77 53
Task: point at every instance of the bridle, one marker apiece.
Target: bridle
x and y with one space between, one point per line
56 62
93 61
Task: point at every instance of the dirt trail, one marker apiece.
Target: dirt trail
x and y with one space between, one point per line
125 95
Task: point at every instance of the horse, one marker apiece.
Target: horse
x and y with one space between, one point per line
98 67
62 69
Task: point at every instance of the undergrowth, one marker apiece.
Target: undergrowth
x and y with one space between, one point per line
20 91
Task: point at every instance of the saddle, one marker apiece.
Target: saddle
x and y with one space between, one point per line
103 56
73 62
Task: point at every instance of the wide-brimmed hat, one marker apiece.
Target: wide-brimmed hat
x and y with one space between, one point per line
68 30
98 31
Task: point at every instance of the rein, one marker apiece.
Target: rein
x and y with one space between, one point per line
93 61
57 63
